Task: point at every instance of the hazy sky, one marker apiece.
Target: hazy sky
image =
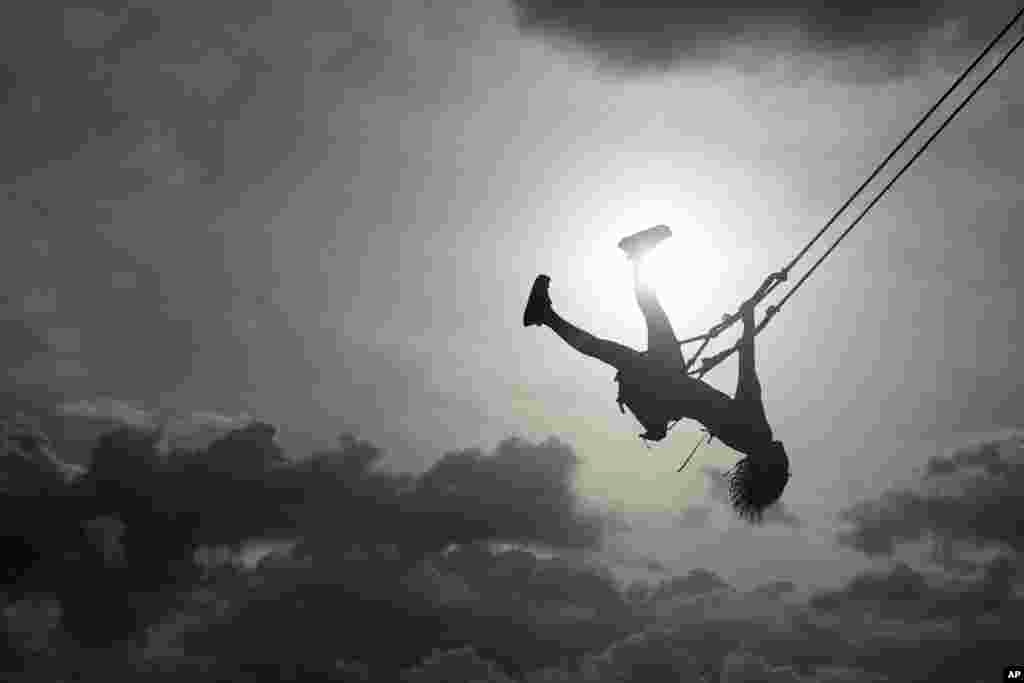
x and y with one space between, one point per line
328 215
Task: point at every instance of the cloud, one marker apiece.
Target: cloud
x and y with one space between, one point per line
777 513
940 619
515 610
696 582
108 409
990 457
444 587
630 37
970 497
620 554
894 592
461 664
522 492
106 533
775 589
516 577
654 656
179 429
476 567
135 520
965 506
747 667
28 461
129 525
31 623
695 517
415 553
905 593
844 674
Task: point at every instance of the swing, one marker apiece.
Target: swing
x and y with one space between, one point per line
775 279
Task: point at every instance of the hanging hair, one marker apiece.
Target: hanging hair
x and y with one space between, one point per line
756 482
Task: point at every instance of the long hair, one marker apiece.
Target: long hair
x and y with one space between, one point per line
756 482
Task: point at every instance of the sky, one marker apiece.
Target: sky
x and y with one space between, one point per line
328 216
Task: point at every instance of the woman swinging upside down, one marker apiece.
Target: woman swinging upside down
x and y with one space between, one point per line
655 387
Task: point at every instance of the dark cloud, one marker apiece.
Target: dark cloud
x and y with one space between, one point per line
521 576
472 568
942 619
775 589
893 591
512 608
461 664
897 623
987 457
656 566
129 526
630 36
28 463
777 513
696 582
522 492
903 592
969 497
918 630
654 656
133 522
71 440
741 666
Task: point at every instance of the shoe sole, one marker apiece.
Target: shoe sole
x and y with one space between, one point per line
645 240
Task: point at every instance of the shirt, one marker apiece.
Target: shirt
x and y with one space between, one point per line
657 395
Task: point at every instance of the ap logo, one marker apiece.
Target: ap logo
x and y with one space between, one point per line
1014 673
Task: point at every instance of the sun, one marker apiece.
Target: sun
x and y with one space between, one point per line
682 270
664 268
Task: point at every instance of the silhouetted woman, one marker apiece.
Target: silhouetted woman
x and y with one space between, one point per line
655 387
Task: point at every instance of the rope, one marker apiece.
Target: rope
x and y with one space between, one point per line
776 278
931 138
906 138
686 462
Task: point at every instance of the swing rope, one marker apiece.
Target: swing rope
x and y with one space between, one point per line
773 280
902 170
700 442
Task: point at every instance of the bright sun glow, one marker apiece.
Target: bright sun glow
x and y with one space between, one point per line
682 269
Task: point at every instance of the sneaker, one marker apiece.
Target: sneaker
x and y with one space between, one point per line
539 303
639 244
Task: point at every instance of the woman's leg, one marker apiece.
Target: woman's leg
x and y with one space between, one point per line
662 343
614 354
539 312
